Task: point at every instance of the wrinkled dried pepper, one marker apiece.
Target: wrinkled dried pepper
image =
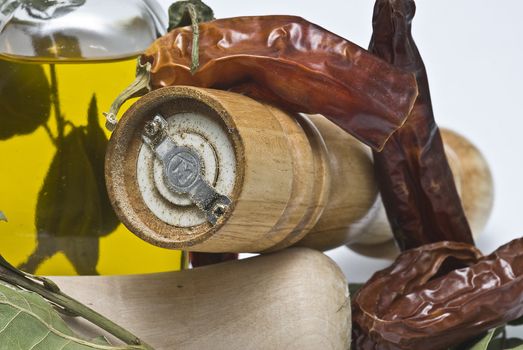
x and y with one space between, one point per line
199 259
294 64
439 295
414 177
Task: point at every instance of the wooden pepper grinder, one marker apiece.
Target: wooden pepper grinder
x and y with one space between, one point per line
208 170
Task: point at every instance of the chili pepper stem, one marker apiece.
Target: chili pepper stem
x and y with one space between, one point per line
195 38
139 87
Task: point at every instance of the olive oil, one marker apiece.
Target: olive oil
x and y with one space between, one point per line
51 172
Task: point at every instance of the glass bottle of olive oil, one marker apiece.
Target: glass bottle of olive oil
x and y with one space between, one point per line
62 62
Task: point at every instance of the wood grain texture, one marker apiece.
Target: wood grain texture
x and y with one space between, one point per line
300 179
352 191
475 186
294 299
310 179
288 176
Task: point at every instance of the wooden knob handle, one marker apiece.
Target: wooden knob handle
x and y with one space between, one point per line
475 186
295 299
473 179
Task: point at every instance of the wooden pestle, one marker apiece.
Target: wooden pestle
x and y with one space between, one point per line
292 179
295 299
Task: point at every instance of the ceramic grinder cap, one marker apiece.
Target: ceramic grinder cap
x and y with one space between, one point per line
173 189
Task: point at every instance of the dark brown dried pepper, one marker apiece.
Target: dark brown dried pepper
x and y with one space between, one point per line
413 174
423 302
294 64
199 259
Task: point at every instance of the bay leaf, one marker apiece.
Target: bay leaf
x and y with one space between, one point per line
491 340
68 211
516 322
50 9
7 8
95 143
495 339
73 209
506 344
25 102
68 202
57 45
353 288
27 321
2 216
484 342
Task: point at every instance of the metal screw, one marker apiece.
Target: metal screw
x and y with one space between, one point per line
151 128
219 209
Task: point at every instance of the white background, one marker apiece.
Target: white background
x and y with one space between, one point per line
473 51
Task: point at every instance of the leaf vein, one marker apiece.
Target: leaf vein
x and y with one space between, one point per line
41 340
63 335
9 322
65 344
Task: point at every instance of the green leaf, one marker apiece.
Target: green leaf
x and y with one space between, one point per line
48 9
24 98
179 14
505 344
73 209
95 143
353 288
484 342
516 322
514 343
6 9
2 216
38 295
59 44
27 321
493 340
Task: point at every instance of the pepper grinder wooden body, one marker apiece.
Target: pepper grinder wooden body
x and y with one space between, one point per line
291 179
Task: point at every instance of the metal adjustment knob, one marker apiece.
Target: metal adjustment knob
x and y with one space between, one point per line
182 170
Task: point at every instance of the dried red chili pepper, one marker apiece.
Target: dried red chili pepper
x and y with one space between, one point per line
423 302
413 174
198 259
293 63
